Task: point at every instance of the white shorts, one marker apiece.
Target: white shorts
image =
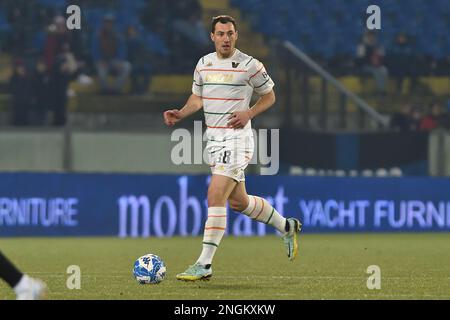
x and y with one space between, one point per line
230 158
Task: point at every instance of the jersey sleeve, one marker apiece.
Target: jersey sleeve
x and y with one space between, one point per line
259 79
197 84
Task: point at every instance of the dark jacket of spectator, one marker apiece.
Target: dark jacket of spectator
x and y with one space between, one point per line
43 98
21 90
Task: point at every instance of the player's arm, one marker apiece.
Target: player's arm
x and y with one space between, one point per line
239 119
263 103
193 104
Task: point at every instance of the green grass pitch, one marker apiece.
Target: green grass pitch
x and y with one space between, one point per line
413 266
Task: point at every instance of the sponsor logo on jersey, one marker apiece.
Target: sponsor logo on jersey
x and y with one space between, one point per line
219 78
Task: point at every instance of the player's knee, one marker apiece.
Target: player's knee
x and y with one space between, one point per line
237 205
216 198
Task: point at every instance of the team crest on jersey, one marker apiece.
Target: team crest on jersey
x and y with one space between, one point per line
209 64
235 64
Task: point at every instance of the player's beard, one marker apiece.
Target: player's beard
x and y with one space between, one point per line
228 52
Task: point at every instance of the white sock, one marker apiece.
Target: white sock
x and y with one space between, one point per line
259 209
23 284
214 230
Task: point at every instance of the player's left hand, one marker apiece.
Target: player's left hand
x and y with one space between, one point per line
238 119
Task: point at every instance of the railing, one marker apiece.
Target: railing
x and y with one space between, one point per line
309 66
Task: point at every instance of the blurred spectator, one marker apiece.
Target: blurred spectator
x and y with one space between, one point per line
23 19
402 120
434 117
57 36
52 79
109 53
402 61
65 69
370 57
21 90
43 97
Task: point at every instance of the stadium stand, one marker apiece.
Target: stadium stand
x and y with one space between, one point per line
24 32
342 24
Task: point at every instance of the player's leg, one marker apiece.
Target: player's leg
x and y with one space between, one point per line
261 210
9 272
219 190
25 287
257 208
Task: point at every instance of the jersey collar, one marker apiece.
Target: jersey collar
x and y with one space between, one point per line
229 58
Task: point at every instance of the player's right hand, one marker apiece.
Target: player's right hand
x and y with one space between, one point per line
171 117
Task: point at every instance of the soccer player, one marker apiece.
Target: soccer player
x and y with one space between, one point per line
25 287
224 82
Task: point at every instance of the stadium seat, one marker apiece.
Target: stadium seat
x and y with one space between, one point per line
171 84
4 25
334 18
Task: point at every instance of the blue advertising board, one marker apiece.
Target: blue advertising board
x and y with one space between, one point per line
128 205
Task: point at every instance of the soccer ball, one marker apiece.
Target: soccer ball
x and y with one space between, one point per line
149 269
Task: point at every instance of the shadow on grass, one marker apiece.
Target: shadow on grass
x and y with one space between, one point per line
211 286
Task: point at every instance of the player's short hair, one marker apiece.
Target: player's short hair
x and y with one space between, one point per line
222 19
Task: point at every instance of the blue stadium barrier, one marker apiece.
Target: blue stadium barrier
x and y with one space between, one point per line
128 205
